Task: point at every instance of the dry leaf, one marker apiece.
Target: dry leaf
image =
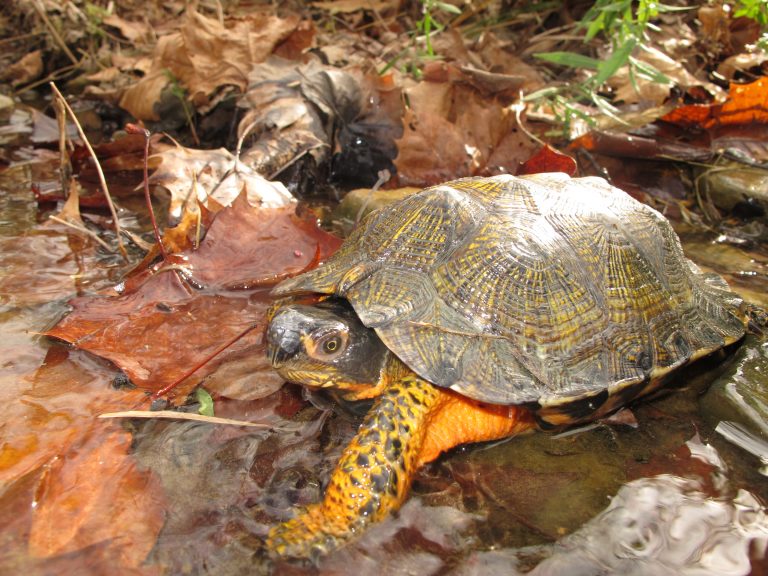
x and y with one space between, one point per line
633 88
452 130
134 31
25 70
193 176
205 56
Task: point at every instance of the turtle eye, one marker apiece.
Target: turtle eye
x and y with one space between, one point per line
326 344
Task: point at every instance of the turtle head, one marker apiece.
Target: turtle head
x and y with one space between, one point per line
326 346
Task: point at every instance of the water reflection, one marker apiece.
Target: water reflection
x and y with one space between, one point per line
665 525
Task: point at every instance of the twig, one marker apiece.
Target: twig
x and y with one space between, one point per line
65 167
165 389
173 415
138 240
518 108
52 29
81 229
99 171
55 75
136 129
20 37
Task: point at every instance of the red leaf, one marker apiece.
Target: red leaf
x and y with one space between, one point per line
547 159
158 330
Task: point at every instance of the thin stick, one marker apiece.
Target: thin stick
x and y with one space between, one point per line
164 390
55 75
519 106
20 37
65 167
99 171
173 415
82 230
52 29
136 129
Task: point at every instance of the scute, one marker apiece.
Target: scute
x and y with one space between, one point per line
540 288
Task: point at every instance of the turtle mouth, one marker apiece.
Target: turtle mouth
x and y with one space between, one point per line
319 379
311 378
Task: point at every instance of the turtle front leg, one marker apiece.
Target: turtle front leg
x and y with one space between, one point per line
410 424
372 477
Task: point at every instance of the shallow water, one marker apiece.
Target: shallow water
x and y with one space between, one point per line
667 496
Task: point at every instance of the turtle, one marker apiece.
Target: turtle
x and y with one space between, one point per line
479 309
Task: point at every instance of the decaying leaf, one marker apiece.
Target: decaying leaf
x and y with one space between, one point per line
193 176
75 506
206 55
170 320
295 109
451 129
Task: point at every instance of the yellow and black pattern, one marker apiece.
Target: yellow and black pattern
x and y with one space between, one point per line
411 423
542 288
373 475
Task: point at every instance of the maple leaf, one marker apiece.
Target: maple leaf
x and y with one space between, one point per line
163 323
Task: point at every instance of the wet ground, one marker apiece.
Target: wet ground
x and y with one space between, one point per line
657 491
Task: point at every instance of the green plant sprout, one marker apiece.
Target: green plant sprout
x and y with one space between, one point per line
624 23
413 55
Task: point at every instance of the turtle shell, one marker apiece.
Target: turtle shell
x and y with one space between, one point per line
541 288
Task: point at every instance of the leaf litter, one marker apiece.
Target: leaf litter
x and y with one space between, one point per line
306 104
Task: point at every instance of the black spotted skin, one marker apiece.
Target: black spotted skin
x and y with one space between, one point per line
372 477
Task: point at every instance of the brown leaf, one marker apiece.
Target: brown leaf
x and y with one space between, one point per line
452 130
157 331
95 494
193 176
133 30
206 55
25 70
141 98
632 88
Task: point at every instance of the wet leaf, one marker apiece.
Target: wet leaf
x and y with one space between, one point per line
64 263
161 326
95 494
